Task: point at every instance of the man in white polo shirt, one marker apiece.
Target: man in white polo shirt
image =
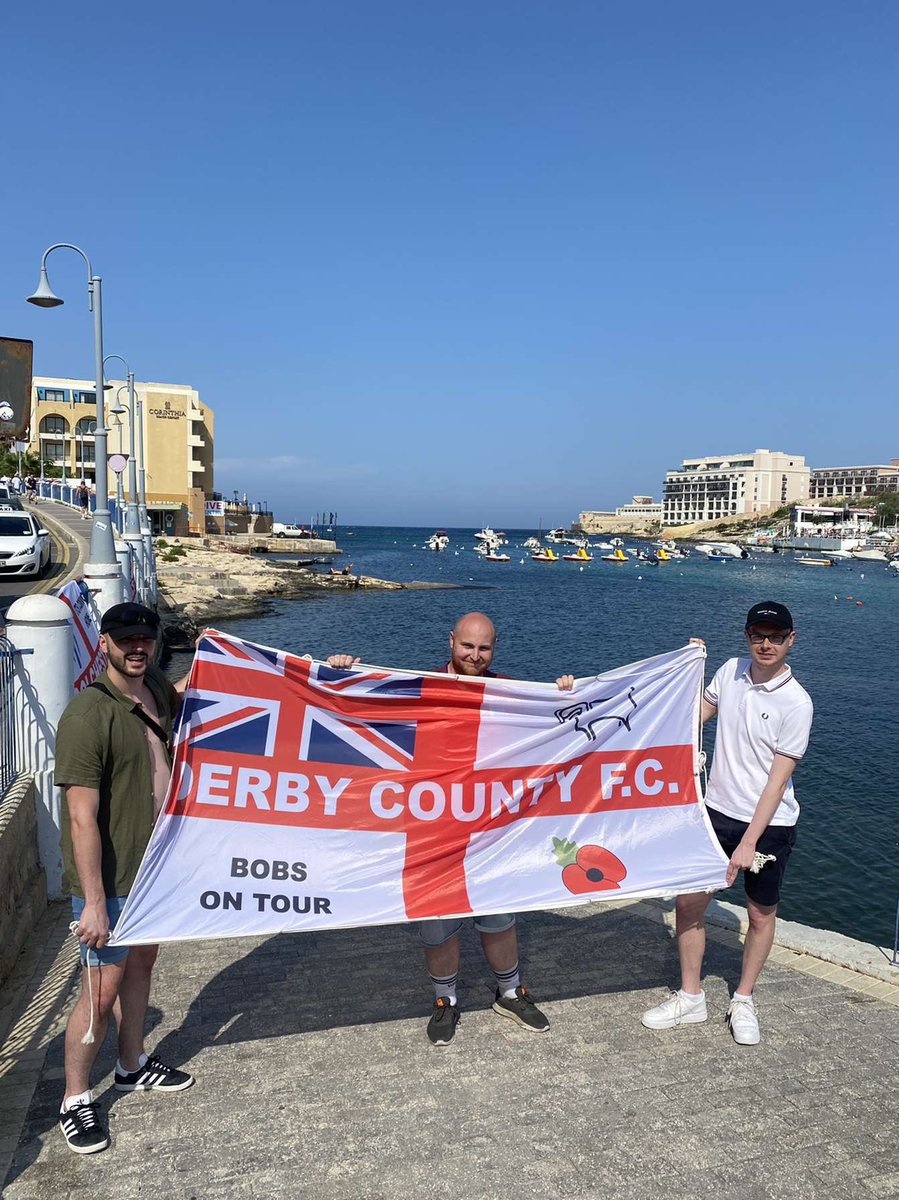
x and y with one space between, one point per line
764 719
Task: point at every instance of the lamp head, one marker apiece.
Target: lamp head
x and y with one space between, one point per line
118 410
45 297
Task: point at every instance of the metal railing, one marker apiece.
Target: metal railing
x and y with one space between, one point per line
894 961
8 756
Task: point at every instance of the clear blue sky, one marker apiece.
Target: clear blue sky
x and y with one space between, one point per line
453 263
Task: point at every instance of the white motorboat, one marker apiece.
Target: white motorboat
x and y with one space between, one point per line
532 543
439 540
870 554
722 549
491 536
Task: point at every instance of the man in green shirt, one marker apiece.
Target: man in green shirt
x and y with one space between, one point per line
113 760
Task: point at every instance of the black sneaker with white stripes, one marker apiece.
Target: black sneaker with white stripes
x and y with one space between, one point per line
154 1076
84 1129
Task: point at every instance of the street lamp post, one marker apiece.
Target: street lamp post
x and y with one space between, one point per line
82 433
132 519
107 572
134 532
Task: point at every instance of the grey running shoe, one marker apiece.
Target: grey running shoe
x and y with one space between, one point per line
83 1128
522 1009
444 1019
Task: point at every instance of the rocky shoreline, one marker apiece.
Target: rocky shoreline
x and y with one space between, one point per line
199 585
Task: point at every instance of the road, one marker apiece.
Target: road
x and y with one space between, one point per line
63 553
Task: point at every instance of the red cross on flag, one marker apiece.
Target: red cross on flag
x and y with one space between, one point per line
304 797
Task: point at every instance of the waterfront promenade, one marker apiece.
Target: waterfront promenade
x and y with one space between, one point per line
315 1079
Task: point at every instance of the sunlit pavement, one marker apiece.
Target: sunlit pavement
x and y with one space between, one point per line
315 1077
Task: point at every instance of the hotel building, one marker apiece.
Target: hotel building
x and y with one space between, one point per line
708 489
828 483
178 443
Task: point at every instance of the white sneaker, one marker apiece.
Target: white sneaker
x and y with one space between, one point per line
678 1009
743 1022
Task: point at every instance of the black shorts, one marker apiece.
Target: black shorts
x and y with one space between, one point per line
779 840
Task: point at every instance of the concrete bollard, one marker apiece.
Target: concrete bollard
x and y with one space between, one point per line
39 626
105 583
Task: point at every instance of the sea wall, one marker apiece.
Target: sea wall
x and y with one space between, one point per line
23 896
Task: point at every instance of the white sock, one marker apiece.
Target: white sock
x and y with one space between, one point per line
745 999
124 1071
83 1098
691 995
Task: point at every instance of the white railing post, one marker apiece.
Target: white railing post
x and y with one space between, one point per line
123 556
136 547
39 628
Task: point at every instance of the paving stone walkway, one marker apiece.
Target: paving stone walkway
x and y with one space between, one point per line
316 1080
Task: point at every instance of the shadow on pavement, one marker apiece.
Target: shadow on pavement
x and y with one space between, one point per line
292 984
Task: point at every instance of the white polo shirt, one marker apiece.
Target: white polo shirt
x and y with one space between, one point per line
755 722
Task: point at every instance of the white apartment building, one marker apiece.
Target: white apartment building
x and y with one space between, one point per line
707 489
828 483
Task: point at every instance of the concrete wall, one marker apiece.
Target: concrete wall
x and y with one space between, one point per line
23 894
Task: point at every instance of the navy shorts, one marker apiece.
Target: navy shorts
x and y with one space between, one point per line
779 840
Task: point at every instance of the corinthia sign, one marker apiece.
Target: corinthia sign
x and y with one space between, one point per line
167 413
304 797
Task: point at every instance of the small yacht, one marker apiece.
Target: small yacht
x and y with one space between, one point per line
439 540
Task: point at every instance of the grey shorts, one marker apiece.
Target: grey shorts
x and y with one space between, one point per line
441 929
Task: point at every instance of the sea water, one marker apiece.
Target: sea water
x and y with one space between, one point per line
566 617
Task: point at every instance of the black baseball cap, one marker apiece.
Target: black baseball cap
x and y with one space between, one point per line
769 612
130 620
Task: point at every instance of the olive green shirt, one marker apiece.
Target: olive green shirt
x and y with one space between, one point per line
102 744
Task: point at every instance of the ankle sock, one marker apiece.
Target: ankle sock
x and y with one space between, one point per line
124 1070
445 986
745 999
691 995
71 1101
508 981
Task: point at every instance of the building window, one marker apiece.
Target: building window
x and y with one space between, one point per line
54 451
87 425
54 424
54 395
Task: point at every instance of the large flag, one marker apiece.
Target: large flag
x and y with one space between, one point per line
304 797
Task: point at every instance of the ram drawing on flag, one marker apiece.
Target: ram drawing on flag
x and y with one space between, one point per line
304 797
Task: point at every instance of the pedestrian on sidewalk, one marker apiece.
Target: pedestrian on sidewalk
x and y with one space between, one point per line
113 760
82 499
764 720
472 647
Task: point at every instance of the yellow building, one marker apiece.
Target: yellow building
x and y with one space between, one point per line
178 442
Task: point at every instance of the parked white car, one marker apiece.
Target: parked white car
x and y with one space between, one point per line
24 545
